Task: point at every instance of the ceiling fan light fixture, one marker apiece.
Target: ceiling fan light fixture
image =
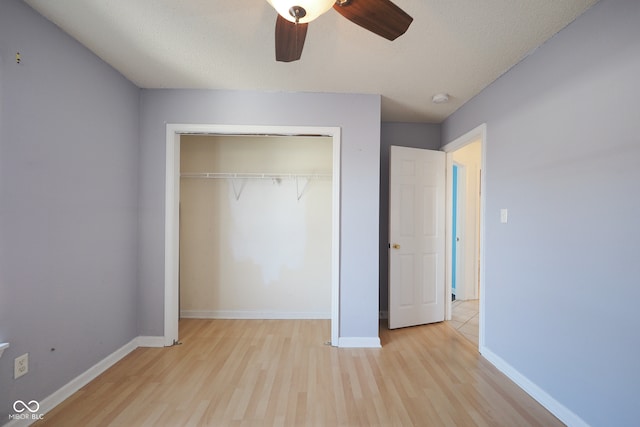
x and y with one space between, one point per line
306 10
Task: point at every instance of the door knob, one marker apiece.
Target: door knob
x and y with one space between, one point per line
395 246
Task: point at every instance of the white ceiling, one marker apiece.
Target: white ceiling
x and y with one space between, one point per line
453 46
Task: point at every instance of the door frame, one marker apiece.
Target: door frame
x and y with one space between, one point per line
478 133
172 199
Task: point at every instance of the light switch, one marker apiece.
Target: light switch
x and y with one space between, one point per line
504 216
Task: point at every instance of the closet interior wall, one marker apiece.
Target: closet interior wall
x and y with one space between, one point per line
255 226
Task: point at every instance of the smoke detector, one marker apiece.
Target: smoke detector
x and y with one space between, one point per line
440 98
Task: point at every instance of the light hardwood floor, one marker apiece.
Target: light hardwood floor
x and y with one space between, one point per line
280 373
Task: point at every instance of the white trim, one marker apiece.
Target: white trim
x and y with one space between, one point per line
86 377
335 236
147 341
64 392
171 235
478 133
359 342
172 197
556 408
230 314
67 390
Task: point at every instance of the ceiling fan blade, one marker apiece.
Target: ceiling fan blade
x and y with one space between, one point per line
289 39
378 16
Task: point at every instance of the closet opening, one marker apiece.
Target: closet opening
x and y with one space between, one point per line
252 224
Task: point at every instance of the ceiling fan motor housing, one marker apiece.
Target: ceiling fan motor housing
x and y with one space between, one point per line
297 12
301 11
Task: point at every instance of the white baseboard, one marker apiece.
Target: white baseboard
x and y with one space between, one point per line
63 393
556 408
57 397
227 314
359 342
89 375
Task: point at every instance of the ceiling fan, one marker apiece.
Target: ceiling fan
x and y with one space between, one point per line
381 17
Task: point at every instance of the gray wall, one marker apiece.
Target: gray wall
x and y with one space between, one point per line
562 277
68 206
359 118
415 135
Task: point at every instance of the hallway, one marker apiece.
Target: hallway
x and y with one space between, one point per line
465 317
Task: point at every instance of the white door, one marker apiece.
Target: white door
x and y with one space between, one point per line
416 237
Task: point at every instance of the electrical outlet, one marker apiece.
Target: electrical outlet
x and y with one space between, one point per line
20 365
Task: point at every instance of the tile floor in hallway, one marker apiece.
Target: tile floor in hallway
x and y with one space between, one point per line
464 318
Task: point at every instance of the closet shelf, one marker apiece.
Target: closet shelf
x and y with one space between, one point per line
227 175
238 179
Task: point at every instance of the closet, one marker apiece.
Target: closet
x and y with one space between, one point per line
255 226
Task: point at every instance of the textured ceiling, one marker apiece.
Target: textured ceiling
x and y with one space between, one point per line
452 46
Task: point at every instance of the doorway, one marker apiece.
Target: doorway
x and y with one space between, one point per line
465 231
172 197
